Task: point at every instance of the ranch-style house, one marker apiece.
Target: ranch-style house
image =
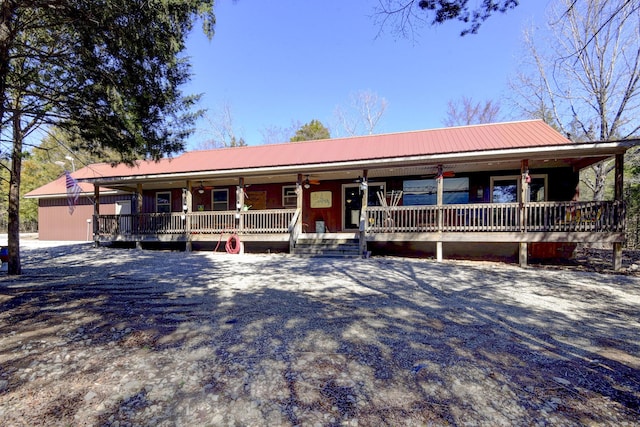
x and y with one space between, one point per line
494 190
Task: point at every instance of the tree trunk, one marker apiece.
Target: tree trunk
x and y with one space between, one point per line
13 229
600 181
7 10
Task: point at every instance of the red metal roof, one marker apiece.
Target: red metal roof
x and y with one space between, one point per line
59 186
466 139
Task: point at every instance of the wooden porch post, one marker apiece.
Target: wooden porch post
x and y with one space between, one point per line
524 199
188 201
138 214
619 188
297 227
439 203
139 199
96 215
240 203
299 196
364 188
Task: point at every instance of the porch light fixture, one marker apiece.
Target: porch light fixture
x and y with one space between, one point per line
201 188
306 183
363 184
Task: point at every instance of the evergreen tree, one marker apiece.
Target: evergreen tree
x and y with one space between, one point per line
109 72
310 131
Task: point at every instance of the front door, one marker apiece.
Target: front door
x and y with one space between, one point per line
352 203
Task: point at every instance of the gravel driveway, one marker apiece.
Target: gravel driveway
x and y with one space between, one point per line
121 337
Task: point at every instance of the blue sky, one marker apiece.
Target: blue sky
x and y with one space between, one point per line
287 61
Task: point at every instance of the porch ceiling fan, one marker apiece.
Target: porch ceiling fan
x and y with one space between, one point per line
309 182
201 188
440 172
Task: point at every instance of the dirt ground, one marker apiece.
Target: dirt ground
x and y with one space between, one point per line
114 337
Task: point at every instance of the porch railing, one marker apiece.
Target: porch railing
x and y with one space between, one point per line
246 222
265 221
140 224
605 216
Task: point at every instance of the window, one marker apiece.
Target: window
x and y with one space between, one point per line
289 196
372 194
506 189
220 200
538 189
425 191
163 202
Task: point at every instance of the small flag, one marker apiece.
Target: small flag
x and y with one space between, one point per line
73 192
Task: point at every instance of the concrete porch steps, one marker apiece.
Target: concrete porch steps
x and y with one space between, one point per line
325 245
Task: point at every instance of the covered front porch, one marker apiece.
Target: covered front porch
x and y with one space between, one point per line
519 195
476 223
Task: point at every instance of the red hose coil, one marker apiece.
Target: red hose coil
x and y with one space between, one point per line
233 244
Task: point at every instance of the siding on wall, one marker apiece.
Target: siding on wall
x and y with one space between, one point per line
561 182
273 197
55 222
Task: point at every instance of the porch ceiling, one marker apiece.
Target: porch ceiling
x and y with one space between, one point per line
325 174
483 148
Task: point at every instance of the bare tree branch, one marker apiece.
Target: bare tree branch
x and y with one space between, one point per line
465 112
222 129
588 78
363 113
406 16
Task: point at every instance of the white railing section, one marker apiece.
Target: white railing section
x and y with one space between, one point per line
141 224
266 221
605 216
212 222
247 222
576 216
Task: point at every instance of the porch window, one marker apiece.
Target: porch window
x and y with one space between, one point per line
425 191
289 196
506 189
220 199
372 196
538 188
163 202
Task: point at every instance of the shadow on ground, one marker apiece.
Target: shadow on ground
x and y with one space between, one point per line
146 338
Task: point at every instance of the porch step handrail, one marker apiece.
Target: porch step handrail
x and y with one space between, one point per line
295 228
294 219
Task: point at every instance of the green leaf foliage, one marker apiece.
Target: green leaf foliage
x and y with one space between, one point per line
310 131
108 72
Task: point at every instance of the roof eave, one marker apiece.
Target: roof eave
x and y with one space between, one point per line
82 194
596 149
